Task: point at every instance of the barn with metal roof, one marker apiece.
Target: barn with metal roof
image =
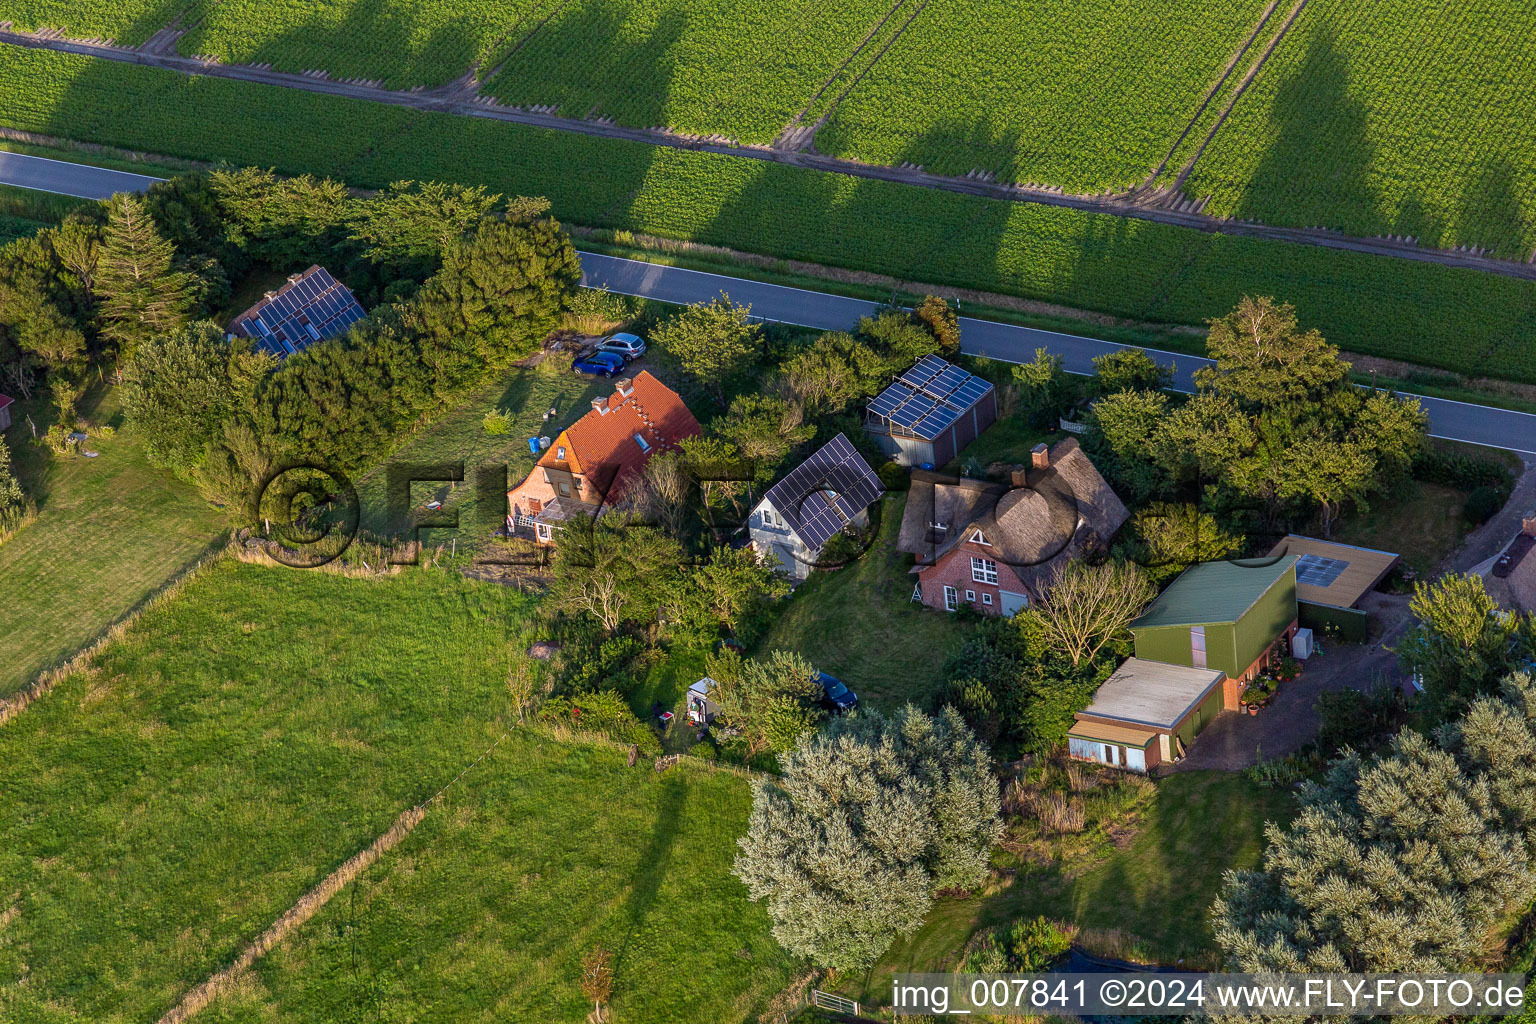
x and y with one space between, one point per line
930 413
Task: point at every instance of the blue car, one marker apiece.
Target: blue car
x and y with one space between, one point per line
600 364
836 696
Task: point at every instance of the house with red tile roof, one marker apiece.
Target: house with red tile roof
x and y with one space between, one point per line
591 464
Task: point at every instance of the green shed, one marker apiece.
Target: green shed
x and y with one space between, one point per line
1225 615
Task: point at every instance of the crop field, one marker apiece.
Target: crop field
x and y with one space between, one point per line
129 22
1389 117
1461 320
1086 96
740 69
424 42
246 738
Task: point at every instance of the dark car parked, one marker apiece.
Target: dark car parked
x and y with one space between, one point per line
836 696
600 364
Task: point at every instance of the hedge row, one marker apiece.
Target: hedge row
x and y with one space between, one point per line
1465 321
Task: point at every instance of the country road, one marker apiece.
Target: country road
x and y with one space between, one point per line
1456 421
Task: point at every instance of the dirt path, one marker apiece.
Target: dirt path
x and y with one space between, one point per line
454 101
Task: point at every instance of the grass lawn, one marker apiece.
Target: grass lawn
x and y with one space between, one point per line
1008 441
459 438
109 531
1149 894
1424 525
243 740
860 624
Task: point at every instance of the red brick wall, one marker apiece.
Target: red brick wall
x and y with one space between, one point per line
954 569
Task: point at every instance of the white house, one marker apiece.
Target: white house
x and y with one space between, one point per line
824 495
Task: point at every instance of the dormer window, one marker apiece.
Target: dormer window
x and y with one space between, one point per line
644 445
977 538
560 453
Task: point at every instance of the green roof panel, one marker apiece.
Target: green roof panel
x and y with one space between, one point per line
1215 591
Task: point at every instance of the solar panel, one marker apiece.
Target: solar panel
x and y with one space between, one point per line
1318 571
932 424
914 400
908 415
820 496
889 399
309 308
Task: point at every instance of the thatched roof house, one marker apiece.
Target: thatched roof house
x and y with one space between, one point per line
996 546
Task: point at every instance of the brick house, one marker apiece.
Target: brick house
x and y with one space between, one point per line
594 460
995 547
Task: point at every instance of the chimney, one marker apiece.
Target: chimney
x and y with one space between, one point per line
624 386
1040 456
600 406
1528 524
1020 476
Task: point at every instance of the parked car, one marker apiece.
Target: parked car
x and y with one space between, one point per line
630 346
600 364
836 696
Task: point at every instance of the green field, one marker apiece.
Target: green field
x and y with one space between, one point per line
705 66
109 532
246 738
1089 97
1389 117
129 22
1460 320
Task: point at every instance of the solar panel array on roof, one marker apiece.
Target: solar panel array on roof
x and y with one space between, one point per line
311 307
825 492
1319 571
929 397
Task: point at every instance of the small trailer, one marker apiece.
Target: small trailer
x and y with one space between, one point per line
702 710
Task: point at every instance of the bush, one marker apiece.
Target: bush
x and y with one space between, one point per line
893 477
497 423
1036 943
1483 503
1463 472
604 713
597 311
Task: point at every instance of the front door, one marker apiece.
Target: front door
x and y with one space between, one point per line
1197 646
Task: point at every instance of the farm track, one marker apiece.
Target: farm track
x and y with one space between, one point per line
451 99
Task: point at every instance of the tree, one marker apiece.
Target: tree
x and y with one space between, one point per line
900 338
734 584
1086 606
1263 358
183 386
1461 644
1122 428
871 817
141 291
772 700
1169 538
615 569
1328 473
1400 863
763 429
15 507
714 342
500 291
942 321
1129 369
1046 390
597 979
412 222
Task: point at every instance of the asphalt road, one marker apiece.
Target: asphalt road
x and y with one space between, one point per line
1457 421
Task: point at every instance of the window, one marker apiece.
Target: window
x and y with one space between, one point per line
560 453
986 598
951 599
983 570
771 518
542 530
535 506
565 489
1197 646
644 446
970 595
977 538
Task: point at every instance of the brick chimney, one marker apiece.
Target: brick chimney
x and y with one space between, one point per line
1040 456
1528 524
1020 476
624 386
600 406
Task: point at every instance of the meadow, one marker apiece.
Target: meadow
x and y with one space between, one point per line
109 532
1460 320
1348 128
1024 91
241 741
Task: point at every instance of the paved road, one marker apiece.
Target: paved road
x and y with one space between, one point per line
1458 421
68 179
